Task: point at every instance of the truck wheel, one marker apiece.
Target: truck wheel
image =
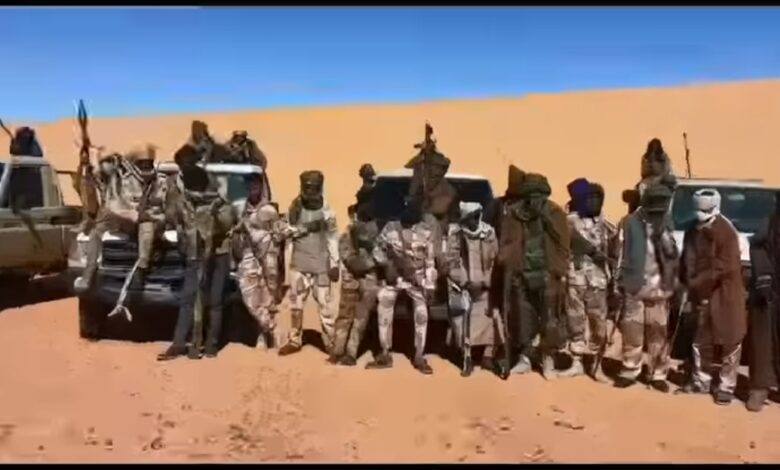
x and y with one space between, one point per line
91 318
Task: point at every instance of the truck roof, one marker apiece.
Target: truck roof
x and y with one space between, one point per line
727 182
31 161
407 173
235 168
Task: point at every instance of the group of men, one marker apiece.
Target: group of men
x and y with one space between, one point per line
521 270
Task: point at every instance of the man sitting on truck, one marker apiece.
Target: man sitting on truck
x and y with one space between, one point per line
131 193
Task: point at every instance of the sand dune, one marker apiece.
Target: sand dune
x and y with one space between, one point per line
732 132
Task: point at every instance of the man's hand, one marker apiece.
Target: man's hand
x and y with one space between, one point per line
598 257
333 274
314 226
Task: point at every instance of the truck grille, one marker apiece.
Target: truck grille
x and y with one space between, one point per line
119 256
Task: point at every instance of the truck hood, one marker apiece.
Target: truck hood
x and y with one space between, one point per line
744 244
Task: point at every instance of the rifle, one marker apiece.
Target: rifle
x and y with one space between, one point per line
503 333
687 155
427 146
466 326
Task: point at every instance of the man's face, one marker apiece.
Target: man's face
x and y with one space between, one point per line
471 222
255 190
593 204
657 165
311 190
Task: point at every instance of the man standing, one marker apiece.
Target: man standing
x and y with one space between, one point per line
473 246
204 220
405 250
589 278
315 260
647 278
764 323
712 272
359 285
534 253
258 248
245 150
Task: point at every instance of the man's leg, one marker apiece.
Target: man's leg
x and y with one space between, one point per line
702 353
632 330
576 305
300 285
527 326
763 355
729 370
348 300
84 282
656 320
217 279
322 295
385 310
255 295
146 234
420 329
186 311
369 289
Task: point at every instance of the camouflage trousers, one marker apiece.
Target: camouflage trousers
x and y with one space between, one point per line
107 221
318 286
256 295
385 310
356 301
644 325
704 354
586 310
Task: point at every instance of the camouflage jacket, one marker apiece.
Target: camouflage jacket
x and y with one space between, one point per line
259 239
473 253
414 245
600 233
200 232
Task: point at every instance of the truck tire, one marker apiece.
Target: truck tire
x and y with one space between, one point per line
91 318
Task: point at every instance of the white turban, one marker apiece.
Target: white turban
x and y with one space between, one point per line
468 208
707 204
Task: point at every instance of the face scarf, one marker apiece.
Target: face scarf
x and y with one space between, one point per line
707 205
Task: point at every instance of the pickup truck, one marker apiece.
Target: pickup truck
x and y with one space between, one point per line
390 192
160 294
36 227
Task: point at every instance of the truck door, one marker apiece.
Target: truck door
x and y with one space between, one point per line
31 220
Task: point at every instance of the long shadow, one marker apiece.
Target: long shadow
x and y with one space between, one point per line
21 293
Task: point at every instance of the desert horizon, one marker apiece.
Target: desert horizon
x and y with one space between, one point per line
599 134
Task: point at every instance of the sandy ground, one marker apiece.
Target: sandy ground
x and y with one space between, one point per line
64 399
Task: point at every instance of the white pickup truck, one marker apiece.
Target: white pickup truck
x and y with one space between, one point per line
36 227
163 282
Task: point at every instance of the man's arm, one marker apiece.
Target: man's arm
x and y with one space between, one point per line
332 236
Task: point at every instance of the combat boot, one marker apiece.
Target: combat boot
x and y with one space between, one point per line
660 385
333 359
623 382
211 350
575 369
723 398
288 349
523 366
172 353
548 368
756 400
422 365
348 361
487 363
381 361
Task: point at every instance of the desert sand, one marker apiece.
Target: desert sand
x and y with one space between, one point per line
64 399
732 132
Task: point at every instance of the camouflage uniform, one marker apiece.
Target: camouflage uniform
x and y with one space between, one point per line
314 254
647 276
258 269
588 282
416 246
359 288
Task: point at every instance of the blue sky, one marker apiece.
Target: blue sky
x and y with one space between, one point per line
130 61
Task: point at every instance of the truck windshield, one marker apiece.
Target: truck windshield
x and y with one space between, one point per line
232 185
390 192
746 208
